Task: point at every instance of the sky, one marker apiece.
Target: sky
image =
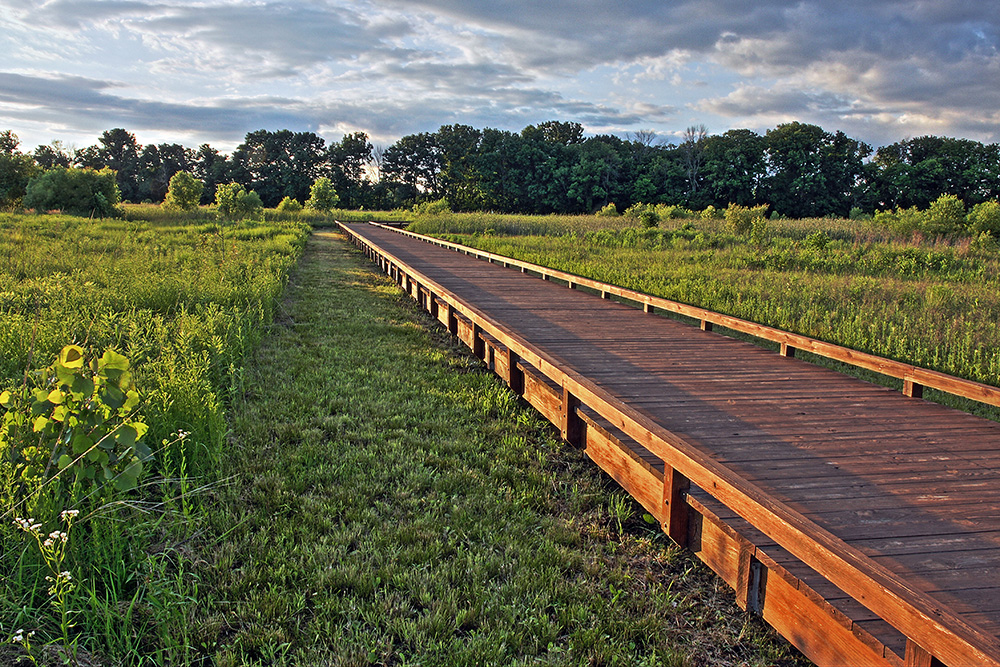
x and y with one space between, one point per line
209 71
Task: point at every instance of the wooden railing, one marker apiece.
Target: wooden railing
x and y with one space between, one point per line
914 378
936 635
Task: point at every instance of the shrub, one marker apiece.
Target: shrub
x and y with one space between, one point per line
234 202
740 219
712 213
985 217
183 193
673 212
609 211
649 218
437 207
902 220
85 192
322 196
290 205
946 215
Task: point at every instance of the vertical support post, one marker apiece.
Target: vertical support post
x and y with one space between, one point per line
706 325
452 321
516 381
647 307
571 426
675 488
478 344
787 350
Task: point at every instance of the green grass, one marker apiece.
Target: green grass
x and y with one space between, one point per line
185 300
389 502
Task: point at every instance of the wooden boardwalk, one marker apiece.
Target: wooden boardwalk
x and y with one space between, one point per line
862 523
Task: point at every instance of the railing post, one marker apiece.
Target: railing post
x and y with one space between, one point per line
647 307
706 325
478 344
787 350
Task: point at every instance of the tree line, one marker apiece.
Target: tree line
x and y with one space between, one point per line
797 169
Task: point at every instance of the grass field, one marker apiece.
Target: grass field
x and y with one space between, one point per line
933 303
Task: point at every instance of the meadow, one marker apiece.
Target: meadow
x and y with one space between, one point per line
932 302
181 302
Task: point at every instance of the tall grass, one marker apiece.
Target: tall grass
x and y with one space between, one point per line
184 298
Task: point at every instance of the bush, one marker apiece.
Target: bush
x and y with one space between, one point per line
84 192
290 205
946 215
437 207
673 212
740 219
985 217
322 196
184 192
609 211
234 202
649 218
712 213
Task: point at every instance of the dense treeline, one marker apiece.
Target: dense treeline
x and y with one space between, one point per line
799 170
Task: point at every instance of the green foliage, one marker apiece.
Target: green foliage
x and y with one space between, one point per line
235 203
741 219
78 422
289 205
985 217
608 211
16 171
432 208
946 215
322 196
649 218
85 192
184 193
712 213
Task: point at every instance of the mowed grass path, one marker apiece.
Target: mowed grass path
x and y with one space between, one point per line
390 502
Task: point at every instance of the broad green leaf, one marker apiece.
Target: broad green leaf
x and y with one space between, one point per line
112 360
40 424
81 443
64 461
5 398
131 401
126 435
55 397
82 385
113 397
59 414
71 356
128 477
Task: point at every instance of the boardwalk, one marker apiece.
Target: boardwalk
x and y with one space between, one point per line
863 524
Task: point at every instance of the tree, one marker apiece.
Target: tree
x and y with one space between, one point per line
279 164
157 165
53 155
78 191
235 203
412 167
347 165
211 168
16 170
734 168
692 150
184 192
322 196
119 151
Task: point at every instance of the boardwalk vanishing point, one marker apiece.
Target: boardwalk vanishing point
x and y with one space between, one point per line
861 522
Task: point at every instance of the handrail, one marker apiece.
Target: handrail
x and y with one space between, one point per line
914 377
920 617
